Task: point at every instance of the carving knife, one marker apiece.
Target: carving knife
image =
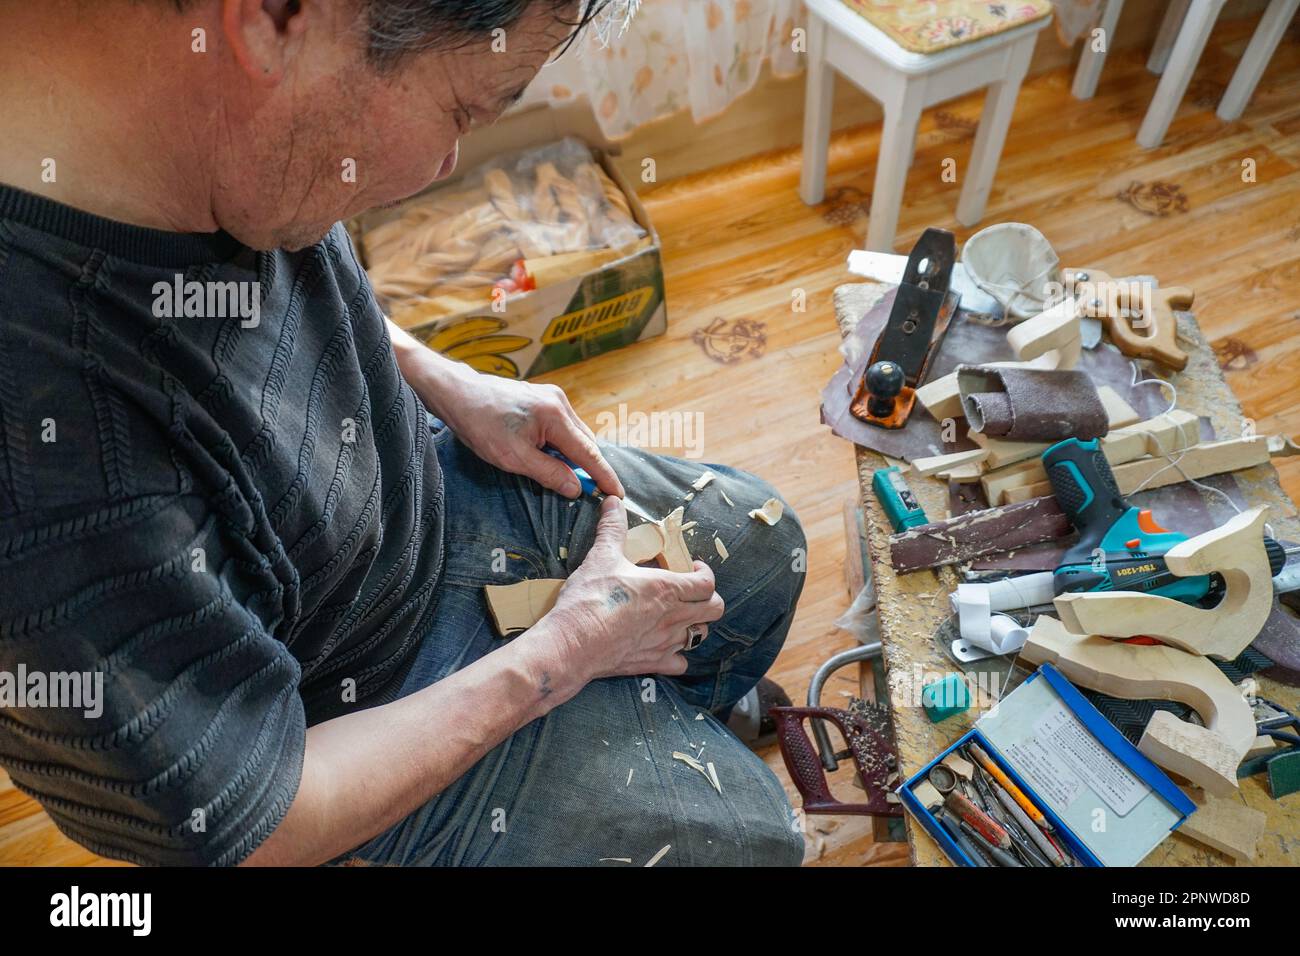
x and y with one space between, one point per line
589 486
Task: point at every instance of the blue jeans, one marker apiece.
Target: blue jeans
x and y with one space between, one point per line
595 778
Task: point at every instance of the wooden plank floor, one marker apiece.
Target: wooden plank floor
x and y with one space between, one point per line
741 250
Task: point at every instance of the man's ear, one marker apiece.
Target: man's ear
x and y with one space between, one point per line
263 34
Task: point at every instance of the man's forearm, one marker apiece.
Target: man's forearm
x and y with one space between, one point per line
433 376
364 772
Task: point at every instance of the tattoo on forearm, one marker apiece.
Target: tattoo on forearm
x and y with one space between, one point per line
546 688
617 597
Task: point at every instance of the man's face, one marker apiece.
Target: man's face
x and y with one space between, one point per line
331 136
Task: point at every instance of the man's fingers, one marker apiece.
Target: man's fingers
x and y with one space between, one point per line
582 450
697 585
611 530
674 665
551 473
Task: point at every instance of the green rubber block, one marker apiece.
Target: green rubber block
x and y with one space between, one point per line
945 698
1284 774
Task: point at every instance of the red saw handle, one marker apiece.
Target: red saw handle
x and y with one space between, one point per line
806 769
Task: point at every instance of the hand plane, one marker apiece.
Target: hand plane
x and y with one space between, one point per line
923 308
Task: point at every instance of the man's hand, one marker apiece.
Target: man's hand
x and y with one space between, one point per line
614 618
504 422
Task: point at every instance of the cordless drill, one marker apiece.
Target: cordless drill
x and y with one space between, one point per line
1120 547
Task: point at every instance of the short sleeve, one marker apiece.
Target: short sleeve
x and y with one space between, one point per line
148 707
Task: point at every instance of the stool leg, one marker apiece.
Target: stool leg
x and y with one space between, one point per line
819 95
1159 57
1091 62
897 138
1196 28
1255 59
999 104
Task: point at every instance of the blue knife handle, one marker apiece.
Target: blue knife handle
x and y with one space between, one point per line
584 479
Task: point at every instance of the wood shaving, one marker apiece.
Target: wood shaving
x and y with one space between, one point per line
564 552
659 856
702 482
726 499
689 526
713 777
615 859
770 513
689 496
722 548
629 776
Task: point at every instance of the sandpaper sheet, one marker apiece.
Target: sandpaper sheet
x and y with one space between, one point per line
968 342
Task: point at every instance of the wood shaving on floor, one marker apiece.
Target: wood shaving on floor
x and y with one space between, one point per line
770 513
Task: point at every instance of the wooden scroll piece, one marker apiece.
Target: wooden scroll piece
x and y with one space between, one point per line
1234 550
1141 672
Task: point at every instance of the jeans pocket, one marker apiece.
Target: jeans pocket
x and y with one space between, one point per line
475 559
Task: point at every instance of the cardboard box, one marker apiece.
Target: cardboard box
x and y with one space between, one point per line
614 305
1109 804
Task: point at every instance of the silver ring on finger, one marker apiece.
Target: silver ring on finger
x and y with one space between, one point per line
695 635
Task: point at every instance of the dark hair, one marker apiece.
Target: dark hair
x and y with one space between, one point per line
397 28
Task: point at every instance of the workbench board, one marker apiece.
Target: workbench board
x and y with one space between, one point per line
912 606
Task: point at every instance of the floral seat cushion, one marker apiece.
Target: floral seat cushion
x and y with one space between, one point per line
922 27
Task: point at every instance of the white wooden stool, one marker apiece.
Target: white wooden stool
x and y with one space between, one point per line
1183 33
905 83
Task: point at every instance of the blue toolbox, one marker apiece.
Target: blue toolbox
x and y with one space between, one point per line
1043 779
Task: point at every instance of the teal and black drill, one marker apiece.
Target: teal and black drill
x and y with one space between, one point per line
1120 547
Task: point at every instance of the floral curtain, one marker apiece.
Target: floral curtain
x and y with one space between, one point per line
702 55
678 54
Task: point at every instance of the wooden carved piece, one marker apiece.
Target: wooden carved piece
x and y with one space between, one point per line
1053 332
1225 824
941 463
517 607
1142 672
1191 751
1235 551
